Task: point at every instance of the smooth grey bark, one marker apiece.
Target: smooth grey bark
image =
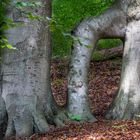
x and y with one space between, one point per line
24 74
26 88
110 24
119 21
126 104
25 91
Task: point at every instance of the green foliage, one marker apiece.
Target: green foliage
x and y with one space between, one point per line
6 22
65 15
108 43
4 43
69 12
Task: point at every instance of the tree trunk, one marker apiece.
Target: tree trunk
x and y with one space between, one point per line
126 104
111 24
26 87
24 74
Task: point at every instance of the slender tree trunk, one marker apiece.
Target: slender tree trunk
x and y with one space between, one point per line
111 24
55 114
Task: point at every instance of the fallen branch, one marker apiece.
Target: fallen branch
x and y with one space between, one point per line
108 53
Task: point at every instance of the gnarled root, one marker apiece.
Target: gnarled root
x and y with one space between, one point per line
25 116
61 117
56 115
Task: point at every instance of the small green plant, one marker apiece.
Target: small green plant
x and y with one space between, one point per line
74 117
5 23
108 43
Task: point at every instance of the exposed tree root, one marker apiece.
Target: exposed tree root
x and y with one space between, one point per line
123 108
56 115
61 118
25 116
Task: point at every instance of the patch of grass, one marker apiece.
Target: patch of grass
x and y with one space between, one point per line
108 43
97 56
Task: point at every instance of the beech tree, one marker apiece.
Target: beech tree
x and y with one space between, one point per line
26 102
122 21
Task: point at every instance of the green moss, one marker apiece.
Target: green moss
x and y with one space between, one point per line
116 60
97 56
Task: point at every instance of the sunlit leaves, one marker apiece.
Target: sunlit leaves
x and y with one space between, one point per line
25 8
5 44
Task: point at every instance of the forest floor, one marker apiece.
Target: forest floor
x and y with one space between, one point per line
104 78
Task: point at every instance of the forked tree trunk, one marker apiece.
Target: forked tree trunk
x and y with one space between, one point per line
26 91
120 21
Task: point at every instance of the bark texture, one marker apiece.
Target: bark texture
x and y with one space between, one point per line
26 89
26 102
127 102
122 21
111 24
